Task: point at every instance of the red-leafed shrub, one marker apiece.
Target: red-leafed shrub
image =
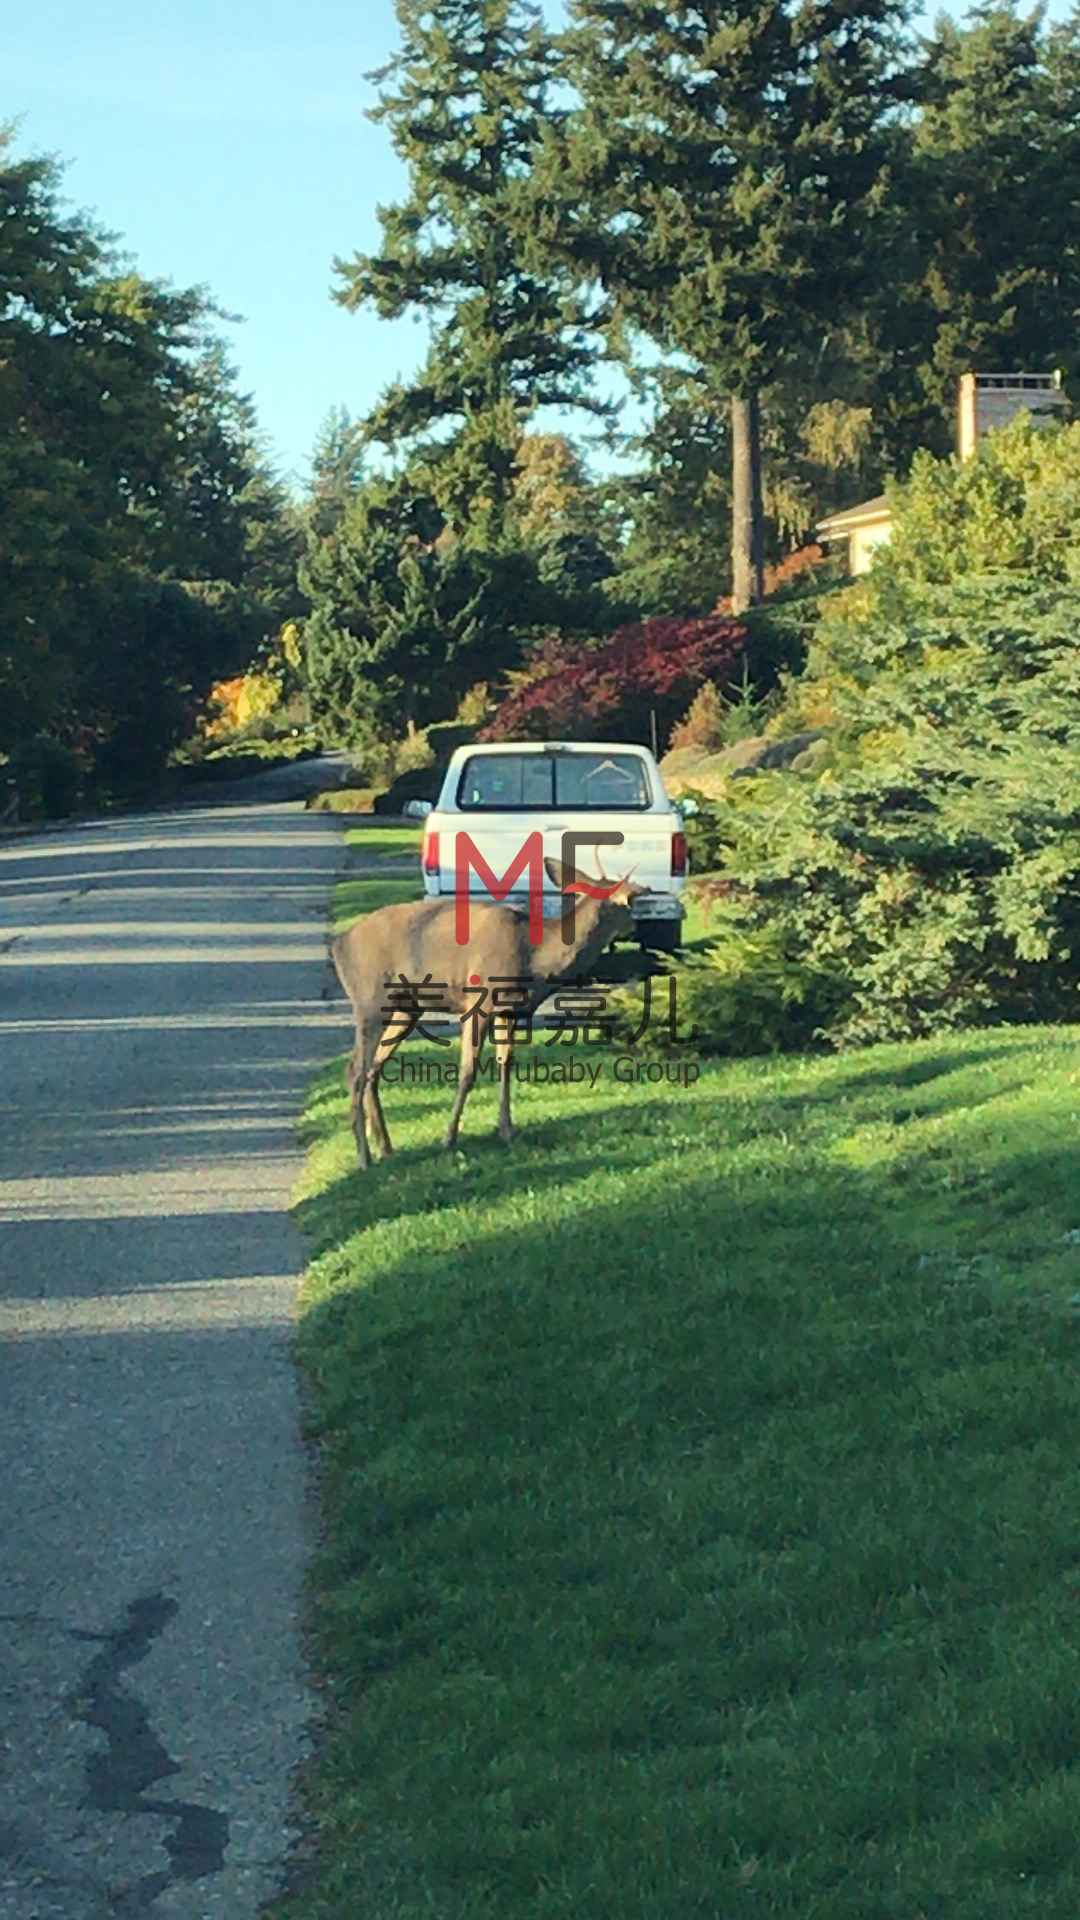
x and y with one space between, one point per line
610 691
792 567
783 572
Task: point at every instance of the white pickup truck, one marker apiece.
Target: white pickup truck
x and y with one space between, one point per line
502 796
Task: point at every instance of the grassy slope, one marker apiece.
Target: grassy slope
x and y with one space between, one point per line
701 1494
384 867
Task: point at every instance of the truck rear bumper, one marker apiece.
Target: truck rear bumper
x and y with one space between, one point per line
657 906
646 906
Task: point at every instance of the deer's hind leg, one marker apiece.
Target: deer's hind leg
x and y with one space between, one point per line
356 1074
503 1037
389 1041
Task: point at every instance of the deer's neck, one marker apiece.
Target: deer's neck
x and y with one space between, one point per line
553 960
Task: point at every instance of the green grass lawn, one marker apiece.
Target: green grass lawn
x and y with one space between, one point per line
371 850
701 1504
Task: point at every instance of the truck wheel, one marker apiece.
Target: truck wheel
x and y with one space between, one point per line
660 936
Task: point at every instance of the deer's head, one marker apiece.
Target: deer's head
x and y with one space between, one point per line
611 910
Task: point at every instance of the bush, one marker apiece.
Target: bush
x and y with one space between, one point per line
342 800
475 707
712 722
799 567
49 777
702 725
419 783
932 866
751 993
243 705
447 737
612 691
929 877
1015 505
706 839
413 751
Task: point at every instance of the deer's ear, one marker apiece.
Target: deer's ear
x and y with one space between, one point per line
554 871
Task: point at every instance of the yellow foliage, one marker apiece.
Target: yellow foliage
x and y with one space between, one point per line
291 643
475 706
235 703
259 695
549 482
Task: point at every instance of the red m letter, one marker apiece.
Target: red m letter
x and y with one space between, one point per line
468 855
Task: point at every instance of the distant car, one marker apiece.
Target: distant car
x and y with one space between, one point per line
500 794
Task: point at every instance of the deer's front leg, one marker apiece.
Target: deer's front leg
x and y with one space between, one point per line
472 1039
504 1054
397 1030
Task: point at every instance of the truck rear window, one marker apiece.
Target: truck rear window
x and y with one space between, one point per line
520 782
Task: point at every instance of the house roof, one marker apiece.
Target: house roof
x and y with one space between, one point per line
864 515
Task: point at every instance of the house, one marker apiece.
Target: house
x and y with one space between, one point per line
863 527
984 401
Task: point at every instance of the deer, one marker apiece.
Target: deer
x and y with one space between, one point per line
415 943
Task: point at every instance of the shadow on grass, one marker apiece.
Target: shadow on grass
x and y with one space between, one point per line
421 1178
698 1503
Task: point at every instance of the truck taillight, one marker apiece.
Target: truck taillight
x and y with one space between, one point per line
678 853
431 852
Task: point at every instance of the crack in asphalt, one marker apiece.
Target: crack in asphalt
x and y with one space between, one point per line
134 1758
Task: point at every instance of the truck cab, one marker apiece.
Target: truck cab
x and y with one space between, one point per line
516 801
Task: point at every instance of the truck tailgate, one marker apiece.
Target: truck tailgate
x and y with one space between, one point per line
644 854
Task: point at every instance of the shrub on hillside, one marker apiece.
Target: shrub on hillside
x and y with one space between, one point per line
1014 510
702 725
49 777
929 878
799 567
1015 506
713 722
241 704
611 691
413 750
474 707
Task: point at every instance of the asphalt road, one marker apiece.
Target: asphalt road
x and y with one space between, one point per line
162 985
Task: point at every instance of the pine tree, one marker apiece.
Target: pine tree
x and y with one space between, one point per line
990 278
466 100
552 491
675 512
721 182
337 470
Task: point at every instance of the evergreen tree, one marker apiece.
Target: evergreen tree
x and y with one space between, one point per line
466 100
721 182
404 621
337 471
675 513
986 263
552 491
134 498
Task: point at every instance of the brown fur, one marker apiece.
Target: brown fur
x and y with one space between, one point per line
418 940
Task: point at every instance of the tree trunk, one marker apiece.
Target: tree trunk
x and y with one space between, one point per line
747 530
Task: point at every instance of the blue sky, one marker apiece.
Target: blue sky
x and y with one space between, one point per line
225 143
